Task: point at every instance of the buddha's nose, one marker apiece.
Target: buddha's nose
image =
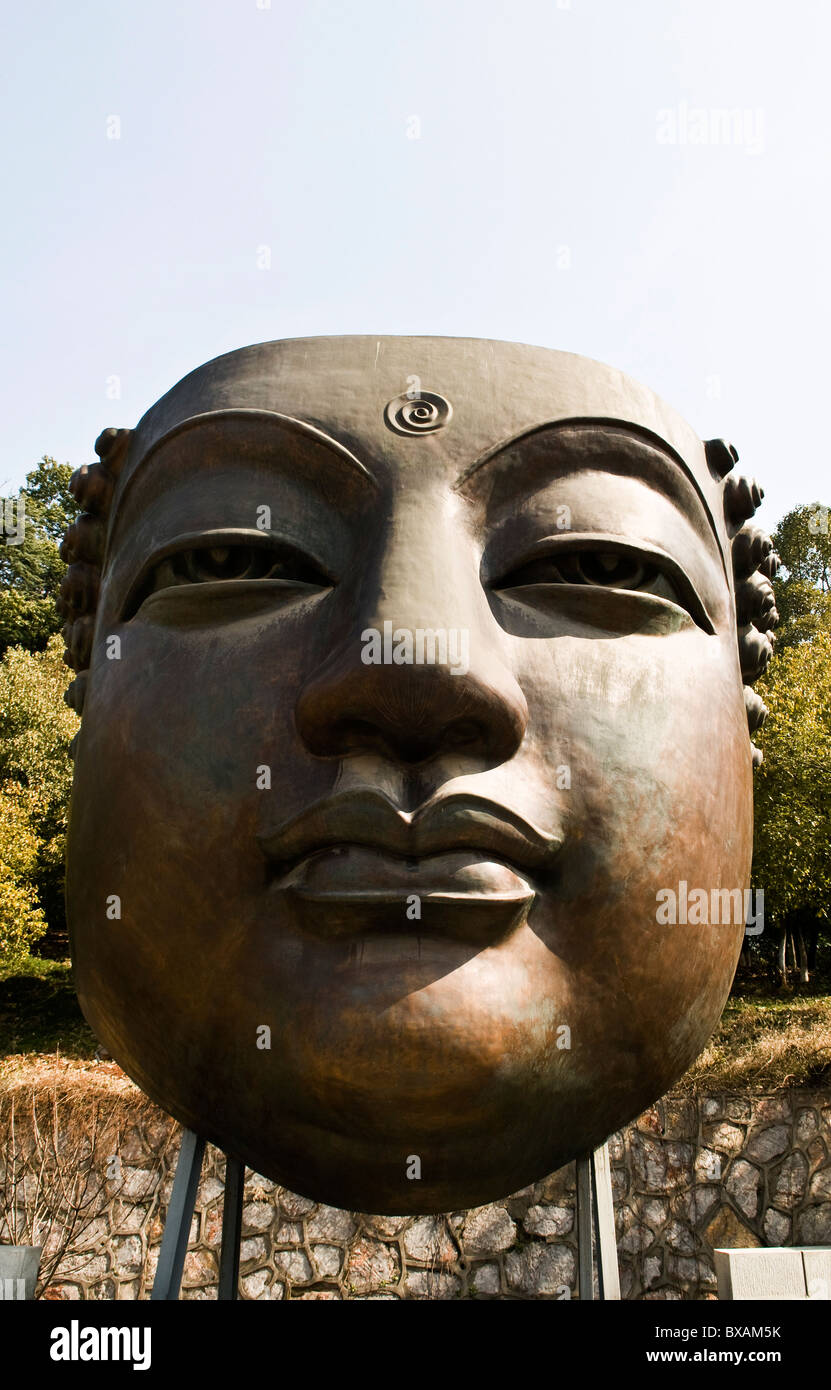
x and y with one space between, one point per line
421 675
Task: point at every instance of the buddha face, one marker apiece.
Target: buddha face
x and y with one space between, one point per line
402 712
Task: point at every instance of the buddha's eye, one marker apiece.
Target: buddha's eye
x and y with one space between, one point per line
229 560
612 569
594 564
211 563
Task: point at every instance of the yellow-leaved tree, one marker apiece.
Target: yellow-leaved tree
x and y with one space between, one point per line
792 843
36 727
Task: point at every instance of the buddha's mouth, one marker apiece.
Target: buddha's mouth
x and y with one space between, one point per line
357 864
444 824
352 890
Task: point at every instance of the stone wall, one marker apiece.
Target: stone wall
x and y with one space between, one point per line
690 1174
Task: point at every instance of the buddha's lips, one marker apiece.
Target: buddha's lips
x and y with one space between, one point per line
370 876
441 826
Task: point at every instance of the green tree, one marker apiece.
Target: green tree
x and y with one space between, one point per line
31 573
36 727
803 586
22 920
792 844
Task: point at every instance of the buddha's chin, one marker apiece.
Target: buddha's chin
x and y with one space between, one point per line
409 1163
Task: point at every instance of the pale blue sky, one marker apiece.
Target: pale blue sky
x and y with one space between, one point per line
544 200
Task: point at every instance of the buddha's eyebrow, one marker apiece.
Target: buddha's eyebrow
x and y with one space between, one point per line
327 450
519 467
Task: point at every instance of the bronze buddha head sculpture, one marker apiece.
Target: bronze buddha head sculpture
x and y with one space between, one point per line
413 670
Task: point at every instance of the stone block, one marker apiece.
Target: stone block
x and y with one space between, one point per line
86 1267
128 1217
789 1180
294 1205
212 1225
257 1216
705 1199
485 1279
433 1284
255 1183
656 1211
727 1138
200 1267
820 1188
813 1225
649 1163
767 1144
637 1238
156 1130
209 1189
737 1108
255 1248
680 1238
777 1227
727 1229
132 1148
549 1221
770 1110
680 1119
488 1230
288 1233
127 1254
103 1291
371 1265
807 1125
328 1260
95 1235
331 1224
388 1227
140 1183
742 1183
427 1240
707 1166
683 1271
540 1269
679 1163
294 1264
257 1285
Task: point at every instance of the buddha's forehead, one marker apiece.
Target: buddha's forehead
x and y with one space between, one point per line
495 392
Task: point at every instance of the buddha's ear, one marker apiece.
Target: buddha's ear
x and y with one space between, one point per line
755 565
82 550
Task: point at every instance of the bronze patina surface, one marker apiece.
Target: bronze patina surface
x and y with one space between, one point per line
414 672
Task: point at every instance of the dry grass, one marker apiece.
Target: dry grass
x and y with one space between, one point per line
766 1042
60 1140
71 1076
